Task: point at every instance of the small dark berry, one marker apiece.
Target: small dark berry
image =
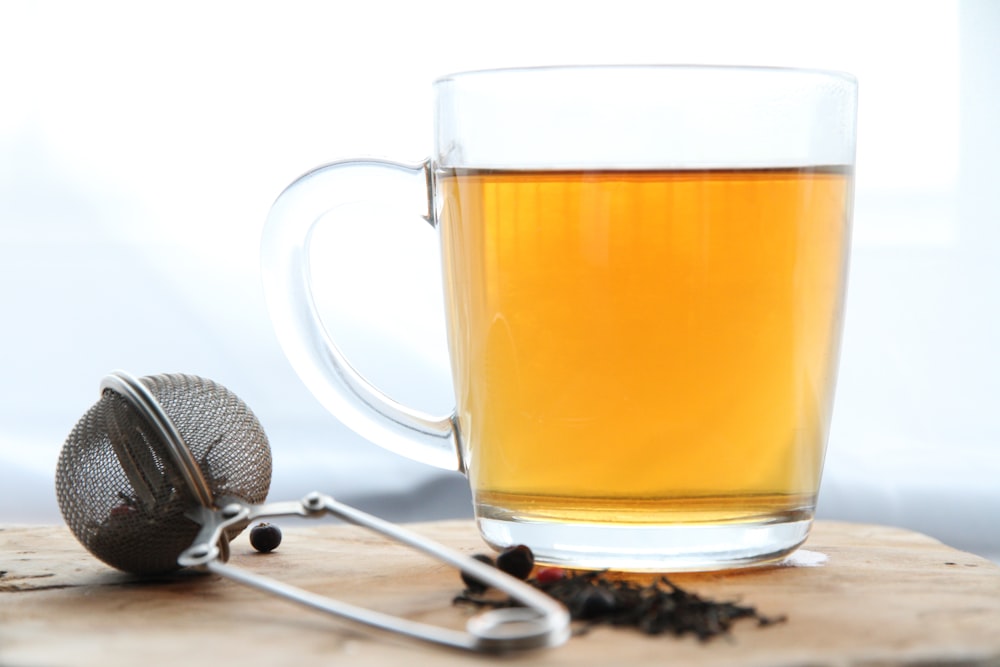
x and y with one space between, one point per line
265 537
517 561
471 582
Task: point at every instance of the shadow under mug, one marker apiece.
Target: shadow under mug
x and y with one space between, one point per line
644 271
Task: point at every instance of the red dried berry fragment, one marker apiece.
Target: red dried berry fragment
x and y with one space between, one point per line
265 537
548 575
123 510
517 561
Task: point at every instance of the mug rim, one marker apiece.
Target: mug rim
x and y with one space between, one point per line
842 75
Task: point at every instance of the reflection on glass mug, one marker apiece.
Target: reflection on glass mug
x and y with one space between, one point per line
644 272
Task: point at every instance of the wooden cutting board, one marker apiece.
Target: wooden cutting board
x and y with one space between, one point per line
855 595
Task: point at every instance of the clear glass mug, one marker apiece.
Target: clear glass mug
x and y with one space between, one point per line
644 271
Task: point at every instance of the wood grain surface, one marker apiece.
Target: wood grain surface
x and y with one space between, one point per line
854 595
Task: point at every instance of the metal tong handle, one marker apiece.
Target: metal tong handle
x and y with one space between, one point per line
542 622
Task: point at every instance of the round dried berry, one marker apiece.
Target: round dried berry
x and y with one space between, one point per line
471 582
265 537
517 561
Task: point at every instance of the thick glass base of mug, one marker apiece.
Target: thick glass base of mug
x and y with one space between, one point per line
680 535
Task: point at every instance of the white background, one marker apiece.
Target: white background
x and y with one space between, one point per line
141 145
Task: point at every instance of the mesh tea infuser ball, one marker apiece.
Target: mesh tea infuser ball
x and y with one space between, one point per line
133 468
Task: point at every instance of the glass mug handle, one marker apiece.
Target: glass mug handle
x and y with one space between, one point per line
306 342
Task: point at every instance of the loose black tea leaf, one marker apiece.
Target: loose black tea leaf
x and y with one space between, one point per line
658 608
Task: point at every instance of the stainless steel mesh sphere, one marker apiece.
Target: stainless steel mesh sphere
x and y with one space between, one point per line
124 492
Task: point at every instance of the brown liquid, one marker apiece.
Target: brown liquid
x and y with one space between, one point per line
645 346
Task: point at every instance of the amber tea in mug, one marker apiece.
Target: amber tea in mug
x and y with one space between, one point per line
657 346
644 274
